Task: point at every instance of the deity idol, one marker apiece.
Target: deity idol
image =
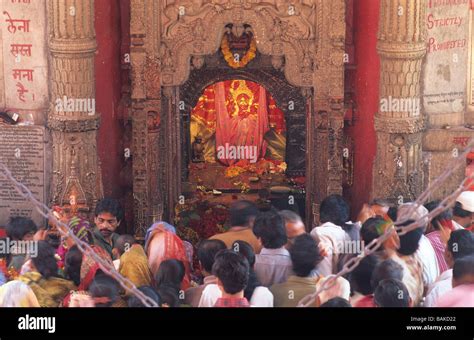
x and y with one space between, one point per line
240 121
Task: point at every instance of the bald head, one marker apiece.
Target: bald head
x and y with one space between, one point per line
293 224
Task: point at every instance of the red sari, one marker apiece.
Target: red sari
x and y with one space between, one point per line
161 245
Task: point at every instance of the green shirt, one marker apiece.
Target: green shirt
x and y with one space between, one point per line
100 241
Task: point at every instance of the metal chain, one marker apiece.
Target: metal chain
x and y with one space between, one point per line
445 204
85 248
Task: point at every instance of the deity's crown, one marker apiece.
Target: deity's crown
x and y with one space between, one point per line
239 88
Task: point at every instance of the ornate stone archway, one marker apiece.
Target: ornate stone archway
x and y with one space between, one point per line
304 38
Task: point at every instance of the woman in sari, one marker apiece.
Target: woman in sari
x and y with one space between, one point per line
17 294
90 269
80 228
161 243
133 261
42 277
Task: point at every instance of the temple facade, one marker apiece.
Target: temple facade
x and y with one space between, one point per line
367 99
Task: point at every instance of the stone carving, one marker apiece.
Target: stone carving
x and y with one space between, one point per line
72 48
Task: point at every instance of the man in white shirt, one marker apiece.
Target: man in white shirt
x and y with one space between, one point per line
334 214
460 244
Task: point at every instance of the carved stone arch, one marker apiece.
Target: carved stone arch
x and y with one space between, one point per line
311 42
276 34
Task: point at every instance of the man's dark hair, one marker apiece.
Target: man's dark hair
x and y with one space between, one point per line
387 269
463 266
206 252
391 293
242 212
369 231
336 302
410 242
392 213
169 295
45 262
459 211
104 286
232 269
290 216
72 264
334 209
246 250
270 228
124 242
170 273
18 227
305 255
360 276
461 243
110 205
133 301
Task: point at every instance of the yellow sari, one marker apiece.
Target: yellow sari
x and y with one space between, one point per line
134 266
49 292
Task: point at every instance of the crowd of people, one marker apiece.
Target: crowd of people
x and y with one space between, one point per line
265 259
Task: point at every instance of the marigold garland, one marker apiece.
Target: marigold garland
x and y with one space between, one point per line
229 57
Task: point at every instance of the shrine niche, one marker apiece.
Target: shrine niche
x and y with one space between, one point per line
289 52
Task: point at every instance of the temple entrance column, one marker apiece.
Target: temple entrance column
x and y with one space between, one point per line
397 171
72 117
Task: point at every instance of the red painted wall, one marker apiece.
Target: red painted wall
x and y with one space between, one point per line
108 92
366 98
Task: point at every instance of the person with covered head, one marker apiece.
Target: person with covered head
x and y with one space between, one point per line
133 261
161 244
463 211
82 230
335 232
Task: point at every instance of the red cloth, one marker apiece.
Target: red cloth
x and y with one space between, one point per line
237 127
3 233
232 303
163 245
366 302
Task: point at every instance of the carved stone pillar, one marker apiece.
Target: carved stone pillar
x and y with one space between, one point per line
399 122
72 117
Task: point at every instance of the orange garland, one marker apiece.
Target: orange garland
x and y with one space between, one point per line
229 57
